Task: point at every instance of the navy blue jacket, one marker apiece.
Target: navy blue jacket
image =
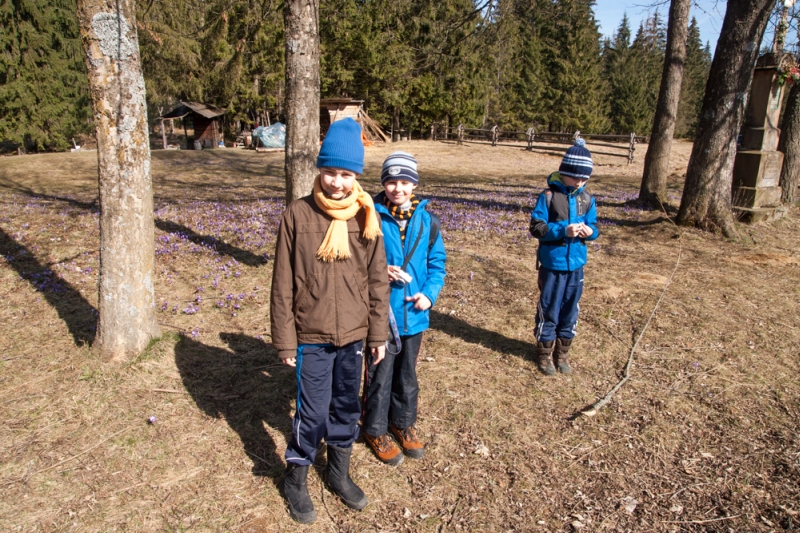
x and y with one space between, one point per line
426 266
550 219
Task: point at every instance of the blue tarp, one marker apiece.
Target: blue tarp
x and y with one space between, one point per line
271 136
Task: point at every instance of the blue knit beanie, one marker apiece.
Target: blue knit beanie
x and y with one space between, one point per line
400 166
577 162
342 147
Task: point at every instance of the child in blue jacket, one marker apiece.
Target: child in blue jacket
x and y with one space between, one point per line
414 248
565 217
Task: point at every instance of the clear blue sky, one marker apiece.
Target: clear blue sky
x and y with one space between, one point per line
709 15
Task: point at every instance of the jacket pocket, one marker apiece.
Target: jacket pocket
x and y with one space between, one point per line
315 312
352 304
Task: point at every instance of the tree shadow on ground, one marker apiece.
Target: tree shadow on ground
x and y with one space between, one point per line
246 386
489 339
220 246
76 312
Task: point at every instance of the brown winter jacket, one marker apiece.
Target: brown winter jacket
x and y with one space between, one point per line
314 302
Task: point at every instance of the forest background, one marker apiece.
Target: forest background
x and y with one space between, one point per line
514 63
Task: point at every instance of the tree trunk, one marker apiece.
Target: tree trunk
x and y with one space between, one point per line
706 200
789 144
127 235
301 20
653 190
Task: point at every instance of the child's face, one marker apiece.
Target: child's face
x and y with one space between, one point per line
399 192
337 182
575 183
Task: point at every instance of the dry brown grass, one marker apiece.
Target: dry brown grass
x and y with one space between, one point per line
704 437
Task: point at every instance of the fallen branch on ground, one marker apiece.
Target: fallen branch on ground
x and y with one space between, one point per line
592 409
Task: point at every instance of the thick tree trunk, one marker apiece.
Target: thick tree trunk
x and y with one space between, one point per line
653 190
789 144
301 20
706 200
127 235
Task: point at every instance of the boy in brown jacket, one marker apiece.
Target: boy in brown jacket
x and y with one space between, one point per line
330 291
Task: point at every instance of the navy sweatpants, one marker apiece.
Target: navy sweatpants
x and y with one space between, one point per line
328 406
557 313
391 389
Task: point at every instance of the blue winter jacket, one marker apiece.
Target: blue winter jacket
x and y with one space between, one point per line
426 266
550 219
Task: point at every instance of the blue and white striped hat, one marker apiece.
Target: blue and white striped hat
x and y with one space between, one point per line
400 166
577 162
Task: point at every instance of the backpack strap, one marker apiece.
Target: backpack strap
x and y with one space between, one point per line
434 233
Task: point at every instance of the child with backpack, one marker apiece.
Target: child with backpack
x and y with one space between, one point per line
565 217
416 257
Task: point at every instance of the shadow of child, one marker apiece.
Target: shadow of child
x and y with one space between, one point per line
248 387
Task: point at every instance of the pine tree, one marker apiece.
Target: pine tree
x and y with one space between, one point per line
44 94
695 74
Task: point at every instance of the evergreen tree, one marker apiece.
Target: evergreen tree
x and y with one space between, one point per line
44 93
574 94
695 75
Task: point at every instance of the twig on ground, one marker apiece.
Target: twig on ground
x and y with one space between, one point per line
84 452
700 521
592 409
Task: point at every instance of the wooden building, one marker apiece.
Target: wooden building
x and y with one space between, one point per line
206 120
333 109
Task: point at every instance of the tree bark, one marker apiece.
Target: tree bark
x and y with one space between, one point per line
301 20
706 200
789 144
127 236
653 190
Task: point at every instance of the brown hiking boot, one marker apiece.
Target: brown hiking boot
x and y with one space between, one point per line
544 355
409 441
560 355
385 449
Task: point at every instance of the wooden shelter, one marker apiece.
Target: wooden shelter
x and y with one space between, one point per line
206 120
333 109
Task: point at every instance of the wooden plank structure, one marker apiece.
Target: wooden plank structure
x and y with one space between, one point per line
333 109
206 120
624 144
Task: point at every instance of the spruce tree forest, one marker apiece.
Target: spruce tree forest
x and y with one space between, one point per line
507 62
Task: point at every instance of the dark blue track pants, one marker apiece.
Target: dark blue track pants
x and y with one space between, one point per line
328 406
391 389
557 312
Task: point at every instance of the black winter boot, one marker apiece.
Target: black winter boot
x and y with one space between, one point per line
560 355
295 489
544 354
337 476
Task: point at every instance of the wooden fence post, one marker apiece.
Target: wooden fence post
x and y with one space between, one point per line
460 133
494 135
631 148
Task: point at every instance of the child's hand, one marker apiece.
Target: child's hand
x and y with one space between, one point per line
393 270
291 361
378 354
573 230
585 232
421 301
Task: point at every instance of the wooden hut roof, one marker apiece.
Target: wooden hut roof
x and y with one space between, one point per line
184 108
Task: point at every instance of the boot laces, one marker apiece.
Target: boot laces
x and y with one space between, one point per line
384 443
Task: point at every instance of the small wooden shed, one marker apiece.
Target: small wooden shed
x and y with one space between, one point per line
333 109
206 120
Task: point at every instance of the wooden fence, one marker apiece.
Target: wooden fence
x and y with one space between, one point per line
624 144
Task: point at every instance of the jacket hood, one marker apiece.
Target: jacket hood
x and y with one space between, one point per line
554 182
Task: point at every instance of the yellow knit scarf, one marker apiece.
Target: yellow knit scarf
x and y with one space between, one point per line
336 244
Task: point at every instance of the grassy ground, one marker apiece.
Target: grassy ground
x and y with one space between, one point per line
704 437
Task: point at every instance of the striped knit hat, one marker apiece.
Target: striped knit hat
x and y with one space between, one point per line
577 162
400 166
